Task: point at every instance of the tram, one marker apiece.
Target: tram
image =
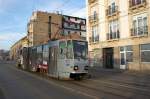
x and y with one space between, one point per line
63 59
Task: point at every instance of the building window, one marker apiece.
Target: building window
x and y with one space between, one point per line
139 25
126 54
113 30
69 32
95 35
113 7
145 53
76 19
66 25
76 26
136 2
95 15
129 54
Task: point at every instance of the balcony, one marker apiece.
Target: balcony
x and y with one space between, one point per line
139 31
90 40
113 35
92 1
135 4
93 18
112 11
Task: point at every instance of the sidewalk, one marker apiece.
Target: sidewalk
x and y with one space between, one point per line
99 71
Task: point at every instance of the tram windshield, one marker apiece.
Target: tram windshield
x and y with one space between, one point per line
80 49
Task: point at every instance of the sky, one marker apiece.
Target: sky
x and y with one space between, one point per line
15 14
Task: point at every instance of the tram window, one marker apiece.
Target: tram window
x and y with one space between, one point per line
45 53
69 53
80 49
39 55
62 50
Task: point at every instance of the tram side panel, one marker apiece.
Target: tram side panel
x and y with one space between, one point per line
65 63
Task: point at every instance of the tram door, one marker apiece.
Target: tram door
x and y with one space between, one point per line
53 61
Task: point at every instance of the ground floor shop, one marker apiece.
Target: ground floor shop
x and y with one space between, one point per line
130 55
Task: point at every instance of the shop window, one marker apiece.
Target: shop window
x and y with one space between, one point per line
126 54
145 53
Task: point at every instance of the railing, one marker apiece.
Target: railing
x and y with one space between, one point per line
113 35
93 18
111 11
139 31
133 3
91 1
93 39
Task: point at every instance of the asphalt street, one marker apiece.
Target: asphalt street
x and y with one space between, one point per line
103 84
17 84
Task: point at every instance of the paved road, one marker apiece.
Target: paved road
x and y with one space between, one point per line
17 84
104 84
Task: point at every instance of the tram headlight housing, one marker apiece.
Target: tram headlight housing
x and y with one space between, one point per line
76 68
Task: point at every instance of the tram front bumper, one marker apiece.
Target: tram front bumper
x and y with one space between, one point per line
77 75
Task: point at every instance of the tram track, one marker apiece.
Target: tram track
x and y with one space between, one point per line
142 84
101 90
80 88
120 85
107 87
125 79
117 90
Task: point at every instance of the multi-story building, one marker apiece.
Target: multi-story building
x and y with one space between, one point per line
119 33
15 49
44 26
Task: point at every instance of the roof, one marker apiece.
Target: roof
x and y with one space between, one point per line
19 41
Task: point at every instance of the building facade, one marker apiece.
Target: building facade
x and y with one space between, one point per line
44 26
15 49
119 33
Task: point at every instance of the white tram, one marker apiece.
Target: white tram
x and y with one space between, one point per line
68 58
63 59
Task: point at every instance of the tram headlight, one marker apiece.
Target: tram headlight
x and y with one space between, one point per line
75 67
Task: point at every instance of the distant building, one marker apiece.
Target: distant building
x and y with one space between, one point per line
1 54
14 51
119 33
4 55
44 26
